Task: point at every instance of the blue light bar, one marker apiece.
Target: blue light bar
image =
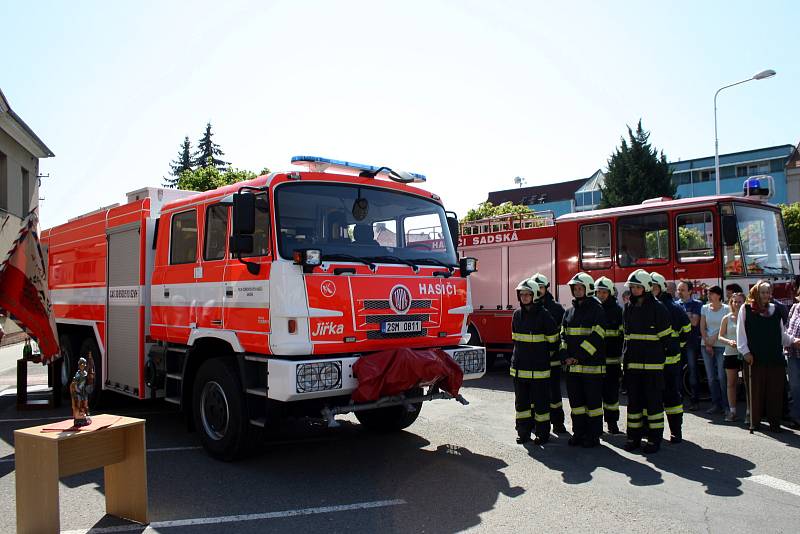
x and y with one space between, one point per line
316 163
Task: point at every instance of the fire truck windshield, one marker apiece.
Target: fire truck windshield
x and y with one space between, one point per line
370 223
763 241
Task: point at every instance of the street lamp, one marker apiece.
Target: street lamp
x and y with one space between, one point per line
769 73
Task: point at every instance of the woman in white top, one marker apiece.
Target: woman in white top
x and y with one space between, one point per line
713 349
732 361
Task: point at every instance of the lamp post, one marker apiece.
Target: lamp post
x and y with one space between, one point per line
769 73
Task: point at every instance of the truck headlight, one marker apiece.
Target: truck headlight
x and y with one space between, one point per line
319 376
471 361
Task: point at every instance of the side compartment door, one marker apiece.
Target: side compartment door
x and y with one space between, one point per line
125 313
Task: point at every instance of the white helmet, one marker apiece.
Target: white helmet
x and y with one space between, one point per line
604 283
585 280
639 277
529 284
658 279
541 280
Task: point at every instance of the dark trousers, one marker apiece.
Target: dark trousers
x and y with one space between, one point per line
645 404
585 393
766 393
673 399
556 405
611 393
532 404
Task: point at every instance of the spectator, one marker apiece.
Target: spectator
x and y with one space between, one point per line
760 333
626 297
793 364
732 361
713 349
693 308
730 289
672 290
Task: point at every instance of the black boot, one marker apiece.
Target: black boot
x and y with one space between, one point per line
613 428
676 437
541 440
523 439
632 444
588 443
574 441
559 428
651 447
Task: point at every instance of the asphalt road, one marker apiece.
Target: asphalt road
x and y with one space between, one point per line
457 468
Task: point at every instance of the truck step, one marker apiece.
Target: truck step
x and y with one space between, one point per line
261 421
175 376
173 400
253 358
261 392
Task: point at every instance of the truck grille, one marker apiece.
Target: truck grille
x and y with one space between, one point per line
378 319
384 304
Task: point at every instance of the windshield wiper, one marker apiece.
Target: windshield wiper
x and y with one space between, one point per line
436 262
395 259
365 261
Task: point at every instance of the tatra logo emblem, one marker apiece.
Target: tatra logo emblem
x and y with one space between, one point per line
328 288
400 299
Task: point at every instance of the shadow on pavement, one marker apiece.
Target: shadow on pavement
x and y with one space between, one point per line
577 465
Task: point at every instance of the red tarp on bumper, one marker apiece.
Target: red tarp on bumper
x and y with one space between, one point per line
392 372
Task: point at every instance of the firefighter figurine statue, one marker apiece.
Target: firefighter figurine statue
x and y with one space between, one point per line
79 391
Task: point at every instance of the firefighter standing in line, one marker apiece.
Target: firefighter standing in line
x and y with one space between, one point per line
583 352
648 337
535 336
557 311
604 290
681 326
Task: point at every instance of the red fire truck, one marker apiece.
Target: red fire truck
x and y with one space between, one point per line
708 240
253 302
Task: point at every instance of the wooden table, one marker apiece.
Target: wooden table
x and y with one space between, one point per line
43 457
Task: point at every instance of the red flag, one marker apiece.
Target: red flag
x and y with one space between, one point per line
24 292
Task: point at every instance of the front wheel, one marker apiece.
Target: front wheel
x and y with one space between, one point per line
391 418
219 410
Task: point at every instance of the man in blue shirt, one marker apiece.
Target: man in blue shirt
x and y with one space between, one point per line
692 307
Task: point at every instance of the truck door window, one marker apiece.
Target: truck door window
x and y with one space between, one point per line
261 235
596 246
216 232
643 240
183 238
695 237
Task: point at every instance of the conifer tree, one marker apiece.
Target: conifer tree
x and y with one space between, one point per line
182 163
208 151
636 172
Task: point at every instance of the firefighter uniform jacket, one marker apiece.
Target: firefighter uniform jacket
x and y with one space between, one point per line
535 336
648 334
583 336
555 309
681 327
614 333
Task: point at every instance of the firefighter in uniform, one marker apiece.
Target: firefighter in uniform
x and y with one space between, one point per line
557 311
605 291
681 326
583 354
648 338
535 336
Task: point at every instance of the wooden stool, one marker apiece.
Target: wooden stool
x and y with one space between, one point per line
42 458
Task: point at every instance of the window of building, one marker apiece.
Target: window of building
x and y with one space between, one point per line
261 235
695 236
183 238
216 232
707 176
643 240
682 178
596 246
752 169
26 192
3 182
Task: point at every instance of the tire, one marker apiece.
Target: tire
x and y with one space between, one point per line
391 418
219 410
69 363
89 344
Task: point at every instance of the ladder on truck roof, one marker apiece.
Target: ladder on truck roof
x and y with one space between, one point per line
508 222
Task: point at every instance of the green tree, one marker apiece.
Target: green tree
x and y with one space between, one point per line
182 163
636 172
791 219
208 151
487 209
210 177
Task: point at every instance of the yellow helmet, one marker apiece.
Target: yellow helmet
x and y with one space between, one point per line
657 278
639 277
585 280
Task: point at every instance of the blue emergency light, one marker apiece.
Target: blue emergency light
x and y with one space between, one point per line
757 185
318 164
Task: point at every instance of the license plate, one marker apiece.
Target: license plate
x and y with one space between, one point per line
401 327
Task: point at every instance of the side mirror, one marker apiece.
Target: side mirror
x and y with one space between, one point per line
244 214
730 233
452 225
468 266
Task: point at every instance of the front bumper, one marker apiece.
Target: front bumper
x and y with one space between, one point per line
332 377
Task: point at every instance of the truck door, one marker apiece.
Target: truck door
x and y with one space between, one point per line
178 278
210 274
124 309
595 242
695 247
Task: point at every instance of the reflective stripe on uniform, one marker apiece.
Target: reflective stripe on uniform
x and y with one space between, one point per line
647 366
664 333
687 328
578 410
556 405
641 337
524 415
611 407
538 375
672 410
528 338
633 424
637 415
613 361
656 425
587 369
613 332
671 360
577 331
520 374
588 347
542 417
656 416
553 339
597 412
600 330
555 363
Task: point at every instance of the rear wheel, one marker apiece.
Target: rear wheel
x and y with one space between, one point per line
89 346
391 418
218 405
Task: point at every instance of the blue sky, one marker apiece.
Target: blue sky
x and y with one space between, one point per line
469 93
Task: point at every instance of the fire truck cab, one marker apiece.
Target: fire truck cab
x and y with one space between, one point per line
252 302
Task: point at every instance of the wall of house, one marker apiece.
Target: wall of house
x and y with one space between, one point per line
19 183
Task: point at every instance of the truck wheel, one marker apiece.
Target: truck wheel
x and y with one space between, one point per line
219 410
69 363
391 418
89 344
